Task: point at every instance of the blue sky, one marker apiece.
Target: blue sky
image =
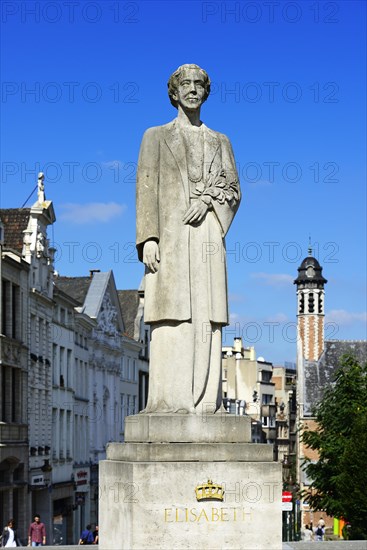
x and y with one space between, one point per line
83 80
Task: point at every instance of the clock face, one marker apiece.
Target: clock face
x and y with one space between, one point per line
310 272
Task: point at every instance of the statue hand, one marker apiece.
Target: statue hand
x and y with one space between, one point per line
196 212
151 256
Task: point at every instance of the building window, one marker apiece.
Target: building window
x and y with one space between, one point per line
68 369
15 332
62 315
54 432
68 434
10 405
128 369
62 363
76 439
266 375
40 336
122 407
266 398
146 344
55 365
11 325
129 405
62 434
3 305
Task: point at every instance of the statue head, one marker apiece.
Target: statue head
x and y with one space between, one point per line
175 78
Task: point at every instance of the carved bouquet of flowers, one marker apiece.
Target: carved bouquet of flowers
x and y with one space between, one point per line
221 186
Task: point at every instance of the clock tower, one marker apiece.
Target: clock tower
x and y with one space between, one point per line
310 307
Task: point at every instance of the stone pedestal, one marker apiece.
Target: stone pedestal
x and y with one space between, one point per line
190 481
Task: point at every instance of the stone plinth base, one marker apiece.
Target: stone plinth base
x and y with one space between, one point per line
150 491
187 428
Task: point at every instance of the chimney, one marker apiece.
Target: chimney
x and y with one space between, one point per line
93 271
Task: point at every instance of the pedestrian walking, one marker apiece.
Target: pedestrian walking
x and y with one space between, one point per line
37 532
9 537
320 531
307 534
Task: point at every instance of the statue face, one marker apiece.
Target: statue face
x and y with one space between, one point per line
190 92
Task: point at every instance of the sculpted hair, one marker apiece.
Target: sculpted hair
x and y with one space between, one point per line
175 78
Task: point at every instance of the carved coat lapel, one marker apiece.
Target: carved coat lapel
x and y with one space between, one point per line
175 143
212 159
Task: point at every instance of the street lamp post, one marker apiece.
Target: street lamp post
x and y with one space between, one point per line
286 518
290 516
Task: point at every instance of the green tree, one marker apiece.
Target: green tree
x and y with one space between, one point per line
339 477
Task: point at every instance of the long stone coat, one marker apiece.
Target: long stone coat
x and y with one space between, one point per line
162 199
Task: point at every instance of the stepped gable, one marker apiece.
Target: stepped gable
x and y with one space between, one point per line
15 221
321 374
129 303
76 287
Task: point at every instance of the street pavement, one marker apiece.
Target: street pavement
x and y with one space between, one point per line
325 545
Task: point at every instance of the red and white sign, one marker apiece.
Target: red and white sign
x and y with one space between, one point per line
286 496
81 479
287 504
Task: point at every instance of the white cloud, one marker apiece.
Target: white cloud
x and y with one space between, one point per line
238 320
91 212
233 317
343 317
273 279
113 164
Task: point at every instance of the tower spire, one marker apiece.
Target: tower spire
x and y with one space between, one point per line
309 246
310 311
